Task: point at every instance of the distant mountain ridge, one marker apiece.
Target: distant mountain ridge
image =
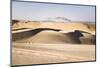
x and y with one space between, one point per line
57 19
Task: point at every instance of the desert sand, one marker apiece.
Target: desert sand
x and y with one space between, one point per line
28 53
59 25
48 46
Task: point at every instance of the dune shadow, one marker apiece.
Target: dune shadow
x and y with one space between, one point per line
26 34
76 37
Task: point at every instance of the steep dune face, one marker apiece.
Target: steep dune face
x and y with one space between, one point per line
53 36
40 43
90 39
49 37
57 25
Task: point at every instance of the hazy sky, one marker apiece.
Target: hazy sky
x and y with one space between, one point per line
42 11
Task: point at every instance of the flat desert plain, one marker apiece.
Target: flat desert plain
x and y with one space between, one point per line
48 42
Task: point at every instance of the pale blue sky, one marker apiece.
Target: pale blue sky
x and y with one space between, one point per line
42 11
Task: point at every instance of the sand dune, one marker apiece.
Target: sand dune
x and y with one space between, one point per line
40 43
53 37
49 37
63 26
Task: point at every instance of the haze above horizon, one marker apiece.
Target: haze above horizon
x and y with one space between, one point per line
43 11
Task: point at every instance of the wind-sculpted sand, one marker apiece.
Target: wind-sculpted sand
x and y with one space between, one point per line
57 25
53 37
28 53
50 43
49 37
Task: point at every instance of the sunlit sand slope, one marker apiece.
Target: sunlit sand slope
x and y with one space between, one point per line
28 53
63 26
50 46
53 37
49 37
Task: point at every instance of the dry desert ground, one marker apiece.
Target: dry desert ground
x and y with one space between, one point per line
42 43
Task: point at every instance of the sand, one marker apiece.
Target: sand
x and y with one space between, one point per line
59 25
50 46
50 37
28 53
